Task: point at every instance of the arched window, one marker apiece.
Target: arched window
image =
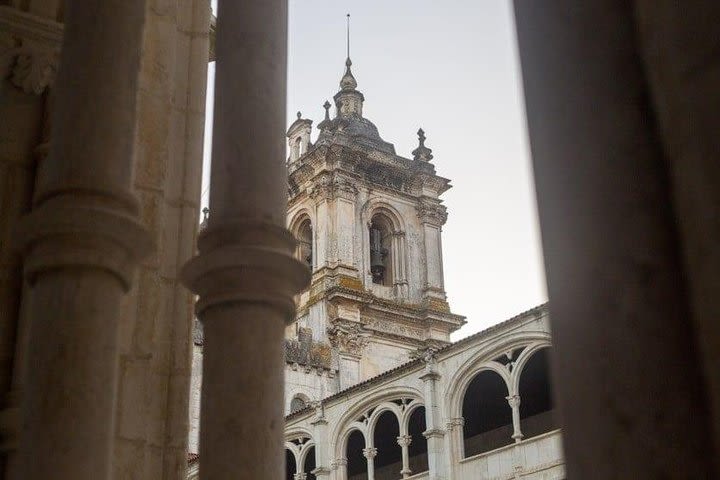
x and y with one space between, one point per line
537 414
309 465
417 450
388 460
297 403
381 250
290 466
304 237
356 462
488 416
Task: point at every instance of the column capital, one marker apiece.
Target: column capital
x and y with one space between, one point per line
248 262
369 452
300 476
339 462
404 440
513 400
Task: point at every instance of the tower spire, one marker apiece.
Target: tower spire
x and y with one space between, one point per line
348 82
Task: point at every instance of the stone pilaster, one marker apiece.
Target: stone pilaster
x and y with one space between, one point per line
245 273
434 434
81 243
320 435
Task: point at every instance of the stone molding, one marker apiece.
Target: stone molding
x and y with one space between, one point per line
330 187
109 239
348 337
249 262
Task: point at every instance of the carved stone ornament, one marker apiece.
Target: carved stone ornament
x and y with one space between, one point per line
433 213
348 337
369 452
35 69
330 187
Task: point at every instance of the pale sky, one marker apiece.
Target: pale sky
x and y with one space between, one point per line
450 67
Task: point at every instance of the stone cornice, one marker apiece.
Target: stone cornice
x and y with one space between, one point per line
30 27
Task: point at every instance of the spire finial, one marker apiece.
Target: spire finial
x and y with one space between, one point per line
206 212
327 106
348 36
422 152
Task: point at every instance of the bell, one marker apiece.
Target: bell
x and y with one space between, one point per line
377 256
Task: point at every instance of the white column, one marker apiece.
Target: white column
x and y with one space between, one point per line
370 453
434 434
340 464
245 273
404 441
514 402
322 446
454 444
81 243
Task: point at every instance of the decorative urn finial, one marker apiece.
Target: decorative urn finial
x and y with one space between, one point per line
422 152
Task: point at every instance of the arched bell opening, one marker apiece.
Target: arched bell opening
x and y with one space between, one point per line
304 238
381 260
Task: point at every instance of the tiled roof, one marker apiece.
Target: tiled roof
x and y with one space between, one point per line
418 361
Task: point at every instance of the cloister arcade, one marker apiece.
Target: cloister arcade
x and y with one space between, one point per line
488 396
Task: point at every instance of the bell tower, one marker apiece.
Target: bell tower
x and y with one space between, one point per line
371 221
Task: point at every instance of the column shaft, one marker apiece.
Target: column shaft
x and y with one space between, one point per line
245 273
514 402
434 433
626 368
81 242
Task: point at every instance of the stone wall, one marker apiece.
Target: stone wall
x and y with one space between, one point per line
155 361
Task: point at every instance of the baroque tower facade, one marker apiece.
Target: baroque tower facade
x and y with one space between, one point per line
369 224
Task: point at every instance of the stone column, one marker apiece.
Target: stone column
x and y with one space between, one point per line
454 444
320 435
341 465
514 401
369 453
434 434
404 441
81 243
245 273
629 382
